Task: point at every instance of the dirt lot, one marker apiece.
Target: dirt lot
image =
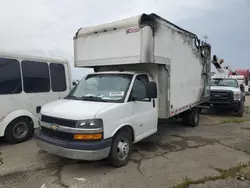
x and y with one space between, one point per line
215 154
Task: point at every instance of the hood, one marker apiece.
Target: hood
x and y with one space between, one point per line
73 109
225 88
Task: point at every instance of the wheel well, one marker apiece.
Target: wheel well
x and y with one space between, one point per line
127 128
23 117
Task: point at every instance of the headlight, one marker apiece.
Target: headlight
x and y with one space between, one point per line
95 129
90 124
237 95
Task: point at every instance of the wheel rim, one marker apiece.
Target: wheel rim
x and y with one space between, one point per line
122 149
20 130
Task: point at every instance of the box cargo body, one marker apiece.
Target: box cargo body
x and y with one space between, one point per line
149 43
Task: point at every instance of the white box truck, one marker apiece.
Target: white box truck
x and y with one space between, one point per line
145 69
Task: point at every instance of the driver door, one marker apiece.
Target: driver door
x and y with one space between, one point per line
144 109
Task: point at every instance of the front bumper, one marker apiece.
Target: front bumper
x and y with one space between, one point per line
227 105
79 150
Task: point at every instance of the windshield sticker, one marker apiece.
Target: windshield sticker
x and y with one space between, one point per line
116 94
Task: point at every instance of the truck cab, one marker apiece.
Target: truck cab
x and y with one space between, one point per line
227 93
126 99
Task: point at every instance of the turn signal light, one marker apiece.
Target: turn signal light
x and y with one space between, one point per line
96 136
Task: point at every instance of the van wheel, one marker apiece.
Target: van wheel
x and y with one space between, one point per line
121 149
192 117
19 130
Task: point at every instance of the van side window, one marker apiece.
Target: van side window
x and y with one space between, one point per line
10 76
139 88
35 77
58 77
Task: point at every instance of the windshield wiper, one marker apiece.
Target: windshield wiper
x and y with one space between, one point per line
87 98
93 98
225 85
72 97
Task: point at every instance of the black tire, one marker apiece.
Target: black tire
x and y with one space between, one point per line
185 118
240 110
124 137
192 117
19 130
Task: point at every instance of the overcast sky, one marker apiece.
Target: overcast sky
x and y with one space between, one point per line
47 27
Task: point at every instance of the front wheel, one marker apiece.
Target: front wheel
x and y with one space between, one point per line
121 149
19 130
240 110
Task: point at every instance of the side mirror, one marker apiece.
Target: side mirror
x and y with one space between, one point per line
151 90
74 83
242 88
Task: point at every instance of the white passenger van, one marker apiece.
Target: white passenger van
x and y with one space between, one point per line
26 83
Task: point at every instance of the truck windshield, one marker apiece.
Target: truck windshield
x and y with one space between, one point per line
102 88
224 82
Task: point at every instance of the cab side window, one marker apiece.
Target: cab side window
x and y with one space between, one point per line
139 89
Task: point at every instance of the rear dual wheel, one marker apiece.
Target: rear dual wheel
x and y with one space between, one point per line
191 117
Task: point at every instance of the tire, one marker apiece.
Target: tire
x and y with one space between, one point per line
192 117
240 110
19 130
185 118
122 141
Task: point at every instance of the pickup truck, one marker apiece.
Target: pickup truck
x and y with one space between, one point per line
227 93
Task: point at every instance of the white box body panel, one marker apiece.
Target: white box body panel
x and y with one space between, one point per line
186 80
118 46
